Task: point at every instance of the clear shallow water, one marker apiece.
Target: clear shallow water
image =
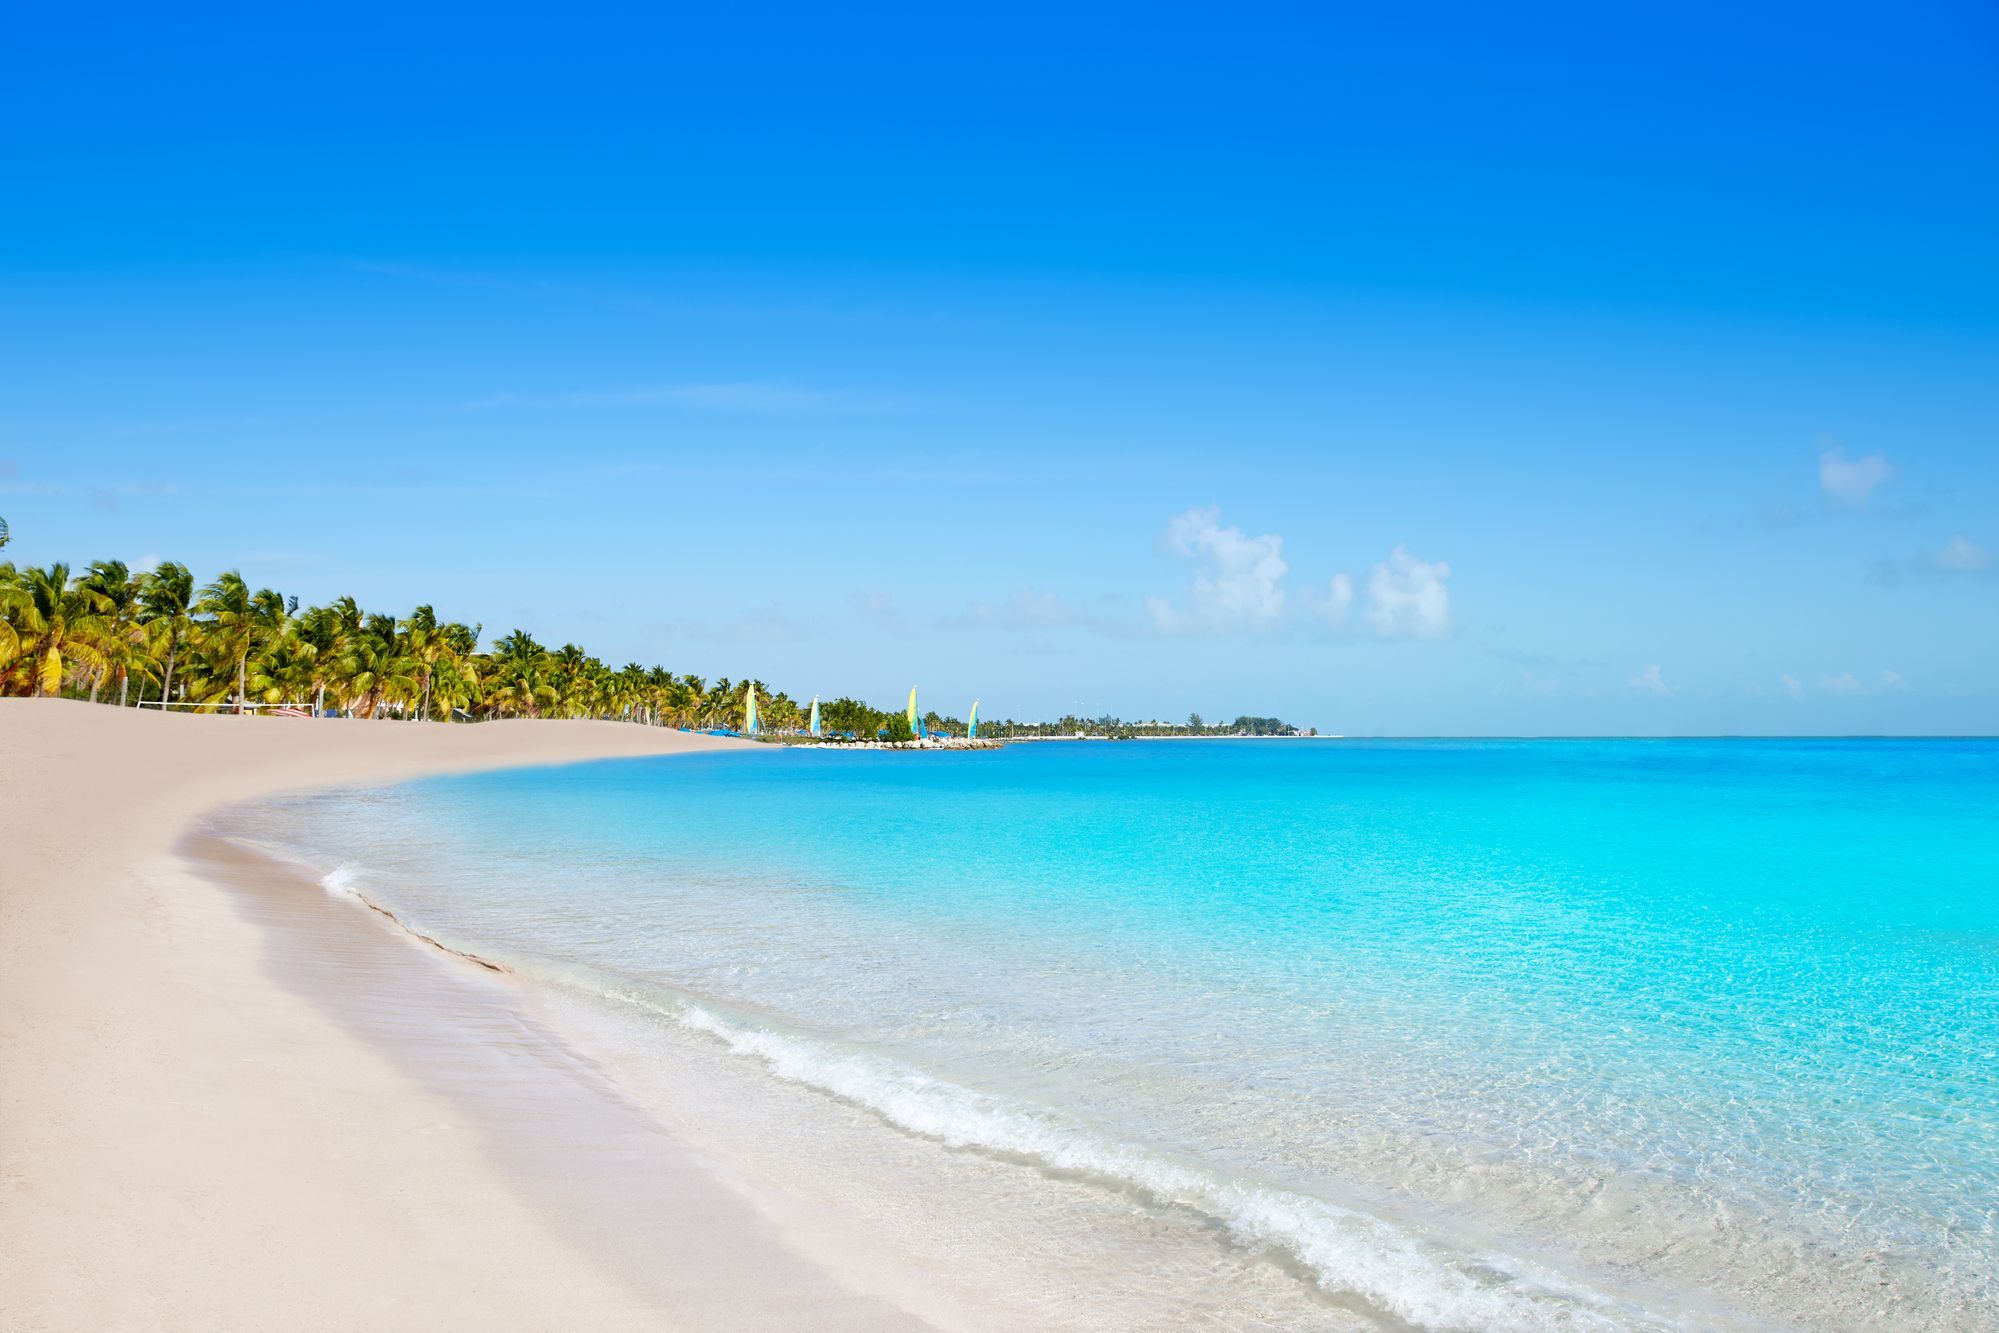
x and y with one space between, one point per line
1477 1034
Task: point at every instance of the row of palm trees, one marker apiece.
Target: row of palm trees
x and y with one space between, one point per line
112 635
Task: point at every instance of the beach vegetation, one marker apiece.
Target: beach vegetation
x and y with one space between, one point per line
159 638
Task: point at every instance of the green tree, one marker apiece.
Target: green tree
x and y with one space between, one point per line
166 599
237 622
57 620
122 637
374 667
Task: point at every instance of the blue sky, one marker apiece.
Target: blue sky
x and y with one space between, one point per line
1425 369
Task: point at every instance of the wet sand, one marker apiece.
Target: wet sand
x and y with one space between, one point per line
223 1105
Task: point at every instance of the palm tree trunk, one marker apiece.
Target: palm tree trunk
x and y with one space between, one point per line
242 681
96 683
167 685
319 707
123 681
426 696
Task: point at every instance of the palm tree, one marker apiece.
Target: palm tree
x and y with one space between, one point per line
284 671
681 697
166 598
375 668
56 619
11 600
239 622
455 682
719 703
226 644
569 668
331 629
517 676
426 643
123 632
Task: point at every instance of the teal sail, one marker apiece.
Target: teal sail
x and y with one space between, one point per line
972 722
814 726
750 709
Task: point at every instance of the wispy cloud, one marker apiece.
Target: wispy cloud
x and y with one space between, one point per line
1031 610
746 396
1334 604
1238 579
1846 683
1651 680
761 625
878 609
1407 599
1958 558
1961 555
1850 483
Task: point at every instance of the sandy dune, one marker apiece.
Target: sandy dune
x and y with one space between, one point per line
185 1143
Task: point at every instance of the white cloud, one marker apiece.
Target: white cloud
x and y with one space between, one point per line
1337 600
1650 679
1040 610
1885 682
1792 687
1406 597
1958 558
1238 579
1961 555
1239 583
1850 482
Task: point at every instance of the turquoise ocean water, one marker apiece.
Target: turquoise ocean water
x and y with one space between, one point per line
1471 1034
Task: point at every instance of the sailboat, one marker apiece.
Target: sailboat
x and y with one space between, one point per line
972 722
750 709
813 726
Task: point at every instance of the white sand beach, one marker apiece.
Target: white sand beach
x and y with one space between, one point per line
185 1142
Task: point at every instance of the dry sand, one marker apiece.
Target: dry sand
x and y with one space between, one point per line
189 1141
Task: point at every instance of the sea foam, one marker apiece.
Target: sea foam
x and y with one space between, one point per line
1415 1278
